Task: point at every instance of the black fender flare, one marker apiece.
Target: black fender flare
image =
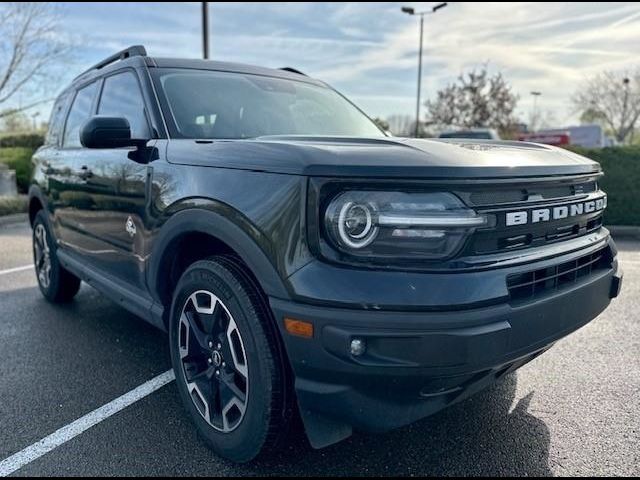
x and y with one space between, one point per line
35 192
244 239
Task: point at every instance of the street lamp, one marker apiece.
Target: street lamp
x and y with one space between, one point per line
33 118
205 30
535 95
412 11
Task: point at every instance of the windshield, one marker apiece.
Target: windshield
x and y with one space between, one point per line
215 105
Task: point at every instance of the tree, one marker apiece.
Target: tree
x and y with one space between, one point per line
29 45
591 116
402 125
15 122
539 119
613 98
382 123
474 100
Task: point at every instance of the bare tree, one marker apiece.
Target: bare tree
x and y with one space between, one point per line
540 118
382 123
475 100
613 98
16 122
29 44
402 125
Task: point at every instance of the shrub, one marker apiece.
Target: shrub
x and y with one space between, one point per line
26 140
19 159
9 205
621 181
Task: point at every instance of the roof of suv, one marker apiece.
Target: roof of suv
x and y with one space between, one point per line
137 56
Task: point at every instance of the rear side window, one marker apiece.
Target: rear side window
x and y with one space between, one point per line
122 97
56 122
79 113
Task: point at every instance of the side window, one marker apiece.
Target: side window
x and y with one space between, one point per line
121 97
79 113
56 121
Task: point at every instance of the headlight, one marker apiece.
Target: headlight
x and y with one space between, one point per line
399 224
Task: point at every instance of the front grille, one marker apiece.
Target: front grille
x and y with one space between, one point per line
498 202
502 240
533 284
517 195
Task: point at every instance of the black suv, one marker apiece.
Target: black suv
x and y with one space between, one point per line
302 261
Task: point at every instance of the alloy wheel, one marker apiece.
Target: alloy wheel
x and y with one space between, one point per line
42 256
214 361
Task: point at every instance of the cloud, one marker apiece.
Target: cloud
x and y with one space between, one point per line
548 47
369 50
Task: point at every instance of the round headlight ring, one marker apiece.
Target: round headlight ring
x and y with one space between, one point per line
366 230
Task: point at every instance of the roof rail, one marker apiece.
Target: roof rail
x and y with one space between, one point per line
293 70
133 51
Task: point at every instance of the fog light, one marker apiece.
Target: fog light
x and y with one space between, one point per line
358 347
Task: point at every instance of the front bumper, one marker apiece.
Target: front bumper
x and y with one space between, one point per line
418 362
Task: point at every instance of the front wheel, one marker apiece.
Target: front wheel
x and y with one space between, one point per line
56 284
228 368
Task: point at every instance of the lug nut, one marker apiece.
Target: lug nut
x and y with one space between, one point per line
217 372
210 361
219 346
210 344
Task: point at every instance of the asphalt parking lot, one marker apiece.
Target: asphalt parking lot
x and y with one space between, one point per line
573 411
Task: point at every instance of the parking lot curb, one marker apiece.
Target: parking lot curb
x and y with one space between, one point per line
624 231
13 218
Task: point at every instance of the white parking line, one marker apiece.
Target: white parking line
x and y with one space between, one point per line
68 432
16 269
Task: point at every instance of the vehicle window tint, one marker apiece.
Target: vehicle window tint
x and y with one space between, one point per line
121 97
79 113
56 121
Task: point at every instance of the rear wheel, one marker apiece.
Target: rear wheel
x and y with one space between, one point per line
56 284
228 368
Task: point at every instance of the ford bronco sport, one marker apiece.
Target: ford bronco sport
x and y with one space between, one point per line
303 262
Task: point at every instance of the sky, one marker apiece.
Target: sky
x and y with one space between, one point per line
368 51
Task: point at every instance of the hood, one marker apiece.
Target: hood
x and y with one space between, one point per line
383 157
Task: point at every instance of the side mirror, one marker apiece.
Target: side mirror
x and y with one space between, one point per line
108 132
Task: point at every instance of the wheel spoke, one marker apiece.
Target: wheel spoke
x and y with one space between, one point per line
193 374
195 331
42 257
217 320
201 400
229 390
233 407
236 348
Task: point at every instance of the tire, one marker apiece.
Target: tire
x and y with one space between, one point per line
228 364
56 284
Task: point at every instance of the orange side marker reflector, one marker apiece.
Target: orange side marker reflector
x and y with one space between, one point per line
298 328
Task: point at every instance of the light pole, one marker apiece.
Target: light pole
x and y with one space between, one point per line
205 30
33 118
625 105
412 11
535 95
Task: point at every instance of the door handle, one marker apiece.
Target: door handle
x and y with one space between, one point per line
86 173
